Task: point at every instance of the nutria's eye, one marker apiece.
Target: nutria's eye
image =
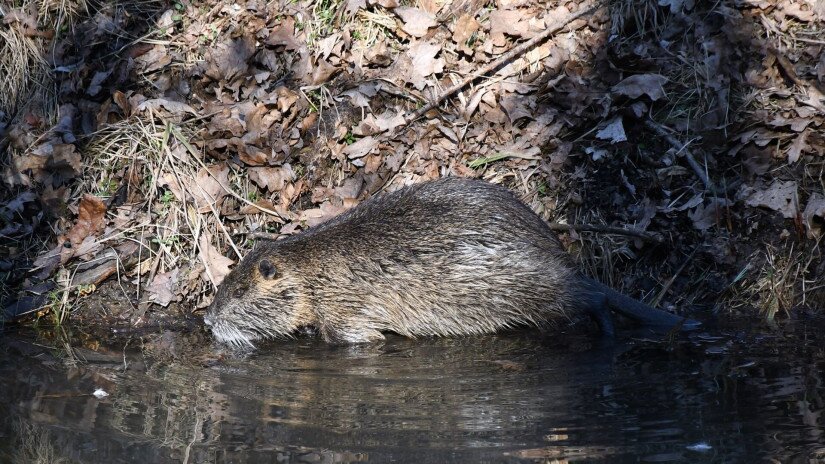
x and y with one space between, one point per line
267 269
239 291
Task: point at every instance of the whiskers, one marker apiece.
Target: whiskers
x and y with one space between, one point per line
232 336
254 328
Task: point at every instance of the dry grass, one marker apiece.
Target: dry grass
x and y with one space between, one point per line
136 153
369 26
60 13
321 21
689 89
774 281
153 160
27 81
25 73
35 445
632 19
599 255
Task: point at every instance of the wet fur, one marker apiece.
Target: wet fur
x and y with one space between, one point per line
447 257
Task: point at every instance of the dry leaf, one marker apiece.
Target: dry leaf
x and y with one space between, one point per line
217 265
354 5
175 108
519 106
361 147
20 16
676 6
322 72
351 188
209 186
315 216
798 146
416 22
379 54
273 179
597 153
779 196
90 219
47 262
431 6
284 35
423 62
814 215
51 156
755 160
465 27
30 161
163 287
388 4
16 204
156 58
286 99
706 216
506 22
793 9
87 249
228 60
613 131
95 85
252 155
258 207
65 157
642 84
388 121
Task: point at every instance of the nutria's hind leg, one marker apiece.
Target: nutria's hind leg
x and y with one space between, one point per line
597 307
655 319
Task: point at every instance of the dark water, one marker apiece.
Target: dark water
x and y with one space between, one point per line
726 395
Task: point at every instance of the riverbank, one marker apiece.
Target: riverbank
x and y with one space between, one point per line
676 146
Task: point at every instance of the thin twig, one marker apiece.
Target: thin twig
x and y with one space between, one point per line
584 10
813 41
606 230
264 235
682 148
672 279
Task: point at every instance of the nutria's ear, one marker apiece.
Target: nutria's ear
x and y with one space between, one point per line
267 269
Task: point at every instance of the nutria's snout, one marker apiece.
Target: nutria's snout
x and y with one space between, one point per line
260 299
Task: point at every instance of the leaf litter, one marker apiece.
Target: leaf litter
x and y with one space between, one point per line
166 140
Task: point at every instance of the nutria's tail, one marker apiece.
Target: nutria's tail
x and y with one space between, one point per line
639 311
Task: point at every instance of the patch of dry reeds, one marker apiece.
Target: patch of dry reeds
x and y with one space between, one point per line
774 281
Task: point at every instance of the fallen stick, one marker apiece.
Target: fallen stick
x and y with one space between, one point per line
558 227
264 235
584 10
682 148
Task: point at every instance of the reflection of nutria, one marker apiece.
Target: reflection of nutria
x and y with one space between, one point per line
448 257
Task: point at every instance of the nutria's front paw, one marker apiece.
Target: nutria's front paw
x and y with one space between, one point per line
352 335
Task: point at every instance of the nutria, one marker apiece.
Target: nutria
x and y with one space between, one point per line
447 257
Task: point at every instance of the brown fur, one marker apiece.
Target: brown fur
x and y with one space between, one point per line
447 257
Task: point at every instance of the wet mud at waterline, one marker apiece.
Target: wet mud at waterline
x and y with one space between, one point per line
730 395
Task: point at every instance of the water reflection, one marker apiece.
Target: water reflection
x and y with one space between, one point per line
509 398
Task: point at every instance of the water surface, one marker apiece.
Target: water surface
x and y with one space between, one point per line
727 395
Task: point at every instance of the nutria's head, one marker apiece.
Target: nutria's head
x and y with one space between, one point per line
258 299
